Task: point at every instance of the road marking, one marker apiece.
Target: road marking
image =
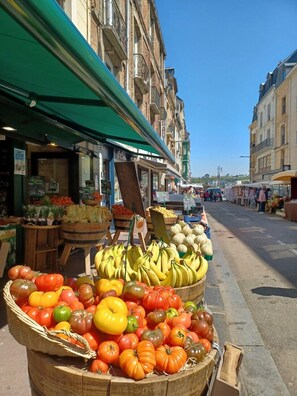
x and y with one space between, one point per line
281 243
293 251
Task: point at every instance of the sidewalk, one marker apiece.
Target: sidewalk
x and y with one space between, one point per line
13 374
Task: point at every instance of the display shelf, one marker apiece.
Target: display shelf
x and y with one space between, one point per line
41 246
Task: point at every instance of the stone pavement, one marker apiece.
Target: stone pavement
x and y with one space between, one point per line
13 371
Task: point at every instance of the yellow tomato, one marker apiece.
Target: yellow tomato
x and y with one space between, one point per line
63 326
43 299
104 285
111 316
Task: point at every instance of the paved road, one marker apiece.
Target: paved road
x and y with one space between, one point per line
256 262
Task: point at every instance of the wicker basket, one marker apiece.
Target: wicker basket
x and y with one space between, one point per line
37 338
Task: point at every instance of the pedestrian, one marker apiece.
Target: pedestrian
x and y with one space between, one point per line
262 199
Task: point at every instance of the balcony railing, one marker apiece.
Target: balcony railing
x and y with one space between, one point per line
141 73
115 28
266 144
155 100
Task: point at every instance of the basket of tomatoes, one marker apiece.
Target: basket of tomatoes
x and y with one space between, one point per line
132 336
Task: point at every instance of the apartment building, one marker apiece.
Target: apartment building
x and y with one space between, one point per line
273 129
127 36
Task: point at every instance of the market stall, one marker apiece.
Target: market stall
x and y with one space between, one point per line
291 210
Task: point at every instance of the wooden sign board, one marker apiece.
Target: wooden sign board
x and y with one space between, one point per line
129 186
159 225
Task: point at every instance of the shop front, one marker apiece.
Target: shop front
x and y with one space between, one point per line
61 110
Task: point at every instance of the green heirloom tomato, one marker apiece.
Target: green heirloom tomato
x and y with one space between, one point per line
62 313
132 324
190 306
171 313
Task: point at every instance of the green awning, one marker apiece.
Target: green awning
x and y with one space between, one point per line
48 67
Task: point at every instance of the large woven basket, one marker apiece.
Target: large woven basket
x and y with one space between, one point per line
37 338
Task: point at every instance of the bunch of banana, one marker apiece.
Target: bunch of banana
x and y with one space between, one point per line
125 271
147 271
181 274
154 248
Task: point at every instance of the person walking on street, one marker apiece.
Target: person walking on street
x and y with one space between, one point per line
262 199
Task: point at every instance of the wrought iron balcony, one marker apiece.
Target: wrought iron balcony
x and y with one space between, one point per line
141 73
266 144
155 100
114 27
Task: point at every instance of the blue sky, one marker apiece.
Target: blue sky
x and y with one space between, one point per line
221 51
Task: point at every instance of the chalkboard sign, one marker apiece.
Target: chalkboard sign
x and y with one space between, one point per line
129 186
36 186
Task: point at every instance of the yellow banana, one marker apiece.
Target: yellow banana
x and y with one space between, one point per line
179 276
98 258
156 270
202 269
154 249
154 280
139 275
192 274
164 261
189 257
169 279
195 264
139 262
109 269
144 277
185 274
136 252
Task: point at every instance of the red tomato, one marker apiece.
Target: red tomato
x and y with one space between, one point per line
128 341
49 282
177 336
75 305
184 319
71 282
81 321
193 336
21 272
139 331
206 344
92 308
175 301
68 295
93 338
44 316
99 367
136 310
155 300
165 328
86 294
108 351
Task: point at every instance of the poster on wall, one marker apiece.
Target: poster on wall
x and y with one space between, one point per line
19 162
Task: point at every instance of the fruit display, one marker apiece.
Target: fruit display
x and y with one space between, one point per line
86 214
121 210
159 265
186 238
167 213
134 330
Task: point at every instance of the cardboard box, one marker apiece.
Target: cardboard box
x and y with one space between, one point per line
226 382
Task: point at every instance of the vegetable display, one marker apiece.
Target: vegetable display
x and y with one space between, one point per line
153 332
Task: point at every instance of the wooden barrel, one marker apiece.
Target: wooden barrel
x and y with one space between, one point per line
68 376
122 222
193 292
85 234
